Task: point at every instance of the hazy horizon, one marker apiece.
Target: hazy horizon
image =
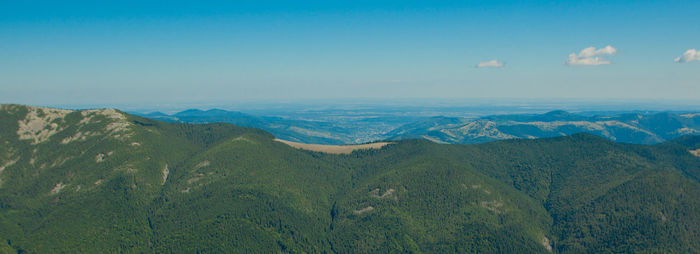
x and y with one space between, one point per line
136 52
350 126
425 106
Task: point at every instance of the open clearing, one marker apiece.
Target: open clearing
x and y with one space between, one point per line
334 149
696 152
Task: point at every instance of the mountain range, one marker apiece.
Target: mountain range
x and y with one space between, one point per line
633 128
636 128
94 181
329 130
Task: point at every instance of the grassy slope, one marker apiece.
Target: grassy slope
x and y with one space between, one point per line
232 188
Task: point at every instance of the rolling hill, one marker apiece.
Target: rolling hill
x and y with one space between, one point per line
328 130
105 181
627 128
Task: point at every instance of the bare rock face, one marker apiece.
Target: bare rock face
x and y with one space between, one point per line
41 123
5 164
547 245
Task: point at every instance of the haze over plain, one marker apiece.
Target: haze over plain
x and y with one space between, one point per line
68 52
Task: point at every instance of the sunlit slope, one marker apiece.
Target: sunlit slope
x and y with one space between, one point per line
105 181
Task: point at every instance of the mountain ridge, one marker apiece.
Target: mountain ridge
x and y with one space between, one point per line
638 128
628 128
134 184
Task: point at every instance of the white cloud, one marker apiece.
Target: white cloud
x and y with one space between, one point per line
689 55
492 63
591 56
576 60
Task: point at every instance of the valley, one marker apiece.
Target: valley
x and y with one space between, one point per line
108 181
330 127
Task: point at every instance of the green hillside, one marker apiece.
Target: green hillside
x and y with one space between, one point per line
101 181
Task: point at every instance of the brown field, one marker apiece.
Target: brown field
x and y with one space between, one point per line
695 152
333 149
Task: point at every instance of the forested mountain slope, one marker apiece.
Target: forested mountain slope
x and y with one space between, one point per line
105 181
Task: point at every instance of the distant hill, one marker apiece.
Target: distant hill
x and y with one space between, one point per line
103 181
636 128
626 128
329 132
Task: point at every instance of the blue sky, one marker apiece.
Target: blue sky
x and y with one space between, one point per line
86 52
